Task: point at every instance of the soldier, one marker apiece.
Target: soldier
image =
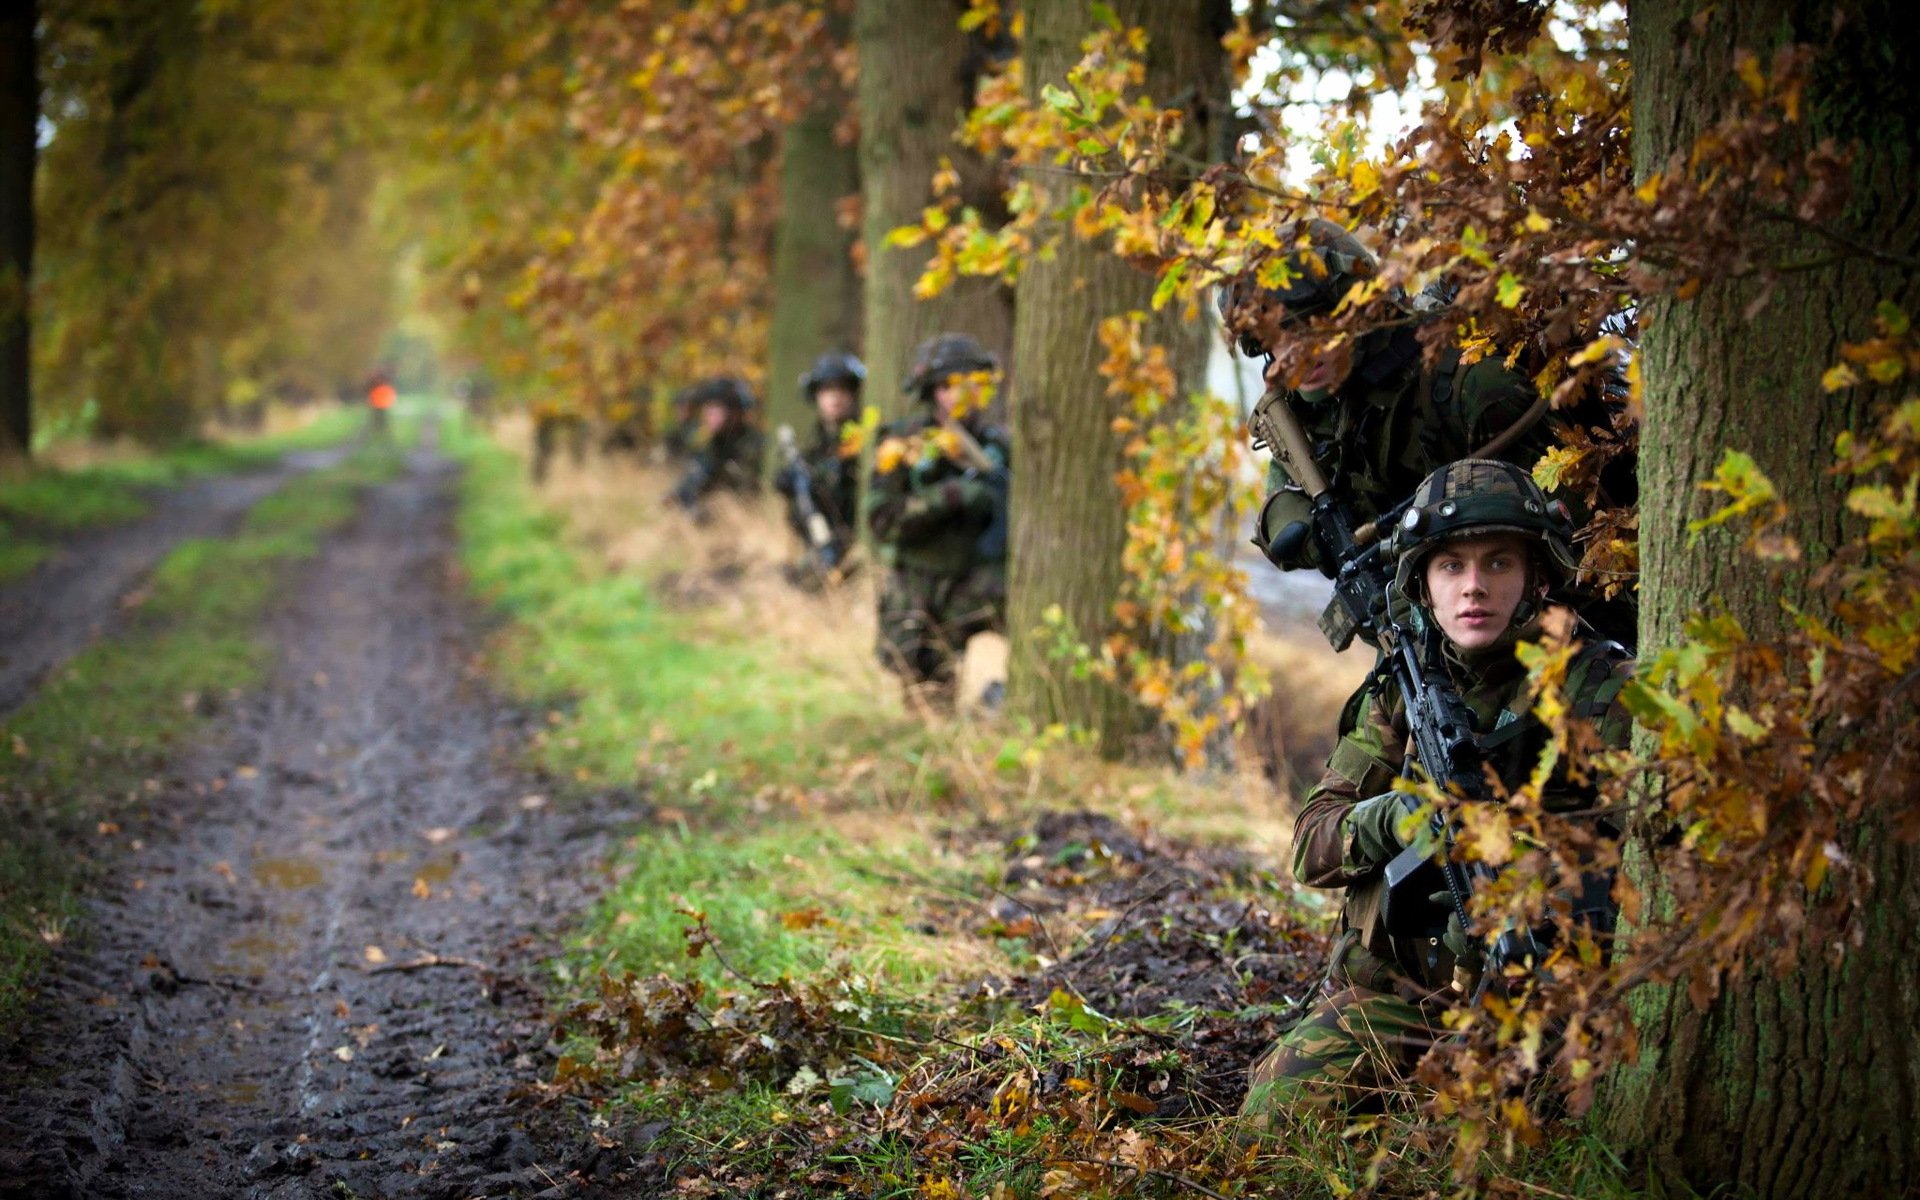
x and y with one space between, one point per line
937 505
825 479
556 423
1485 549
1384 420
725 448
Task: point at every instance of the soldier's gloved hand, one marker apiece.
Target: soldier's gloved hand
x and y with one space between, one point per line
1372 828
1456 939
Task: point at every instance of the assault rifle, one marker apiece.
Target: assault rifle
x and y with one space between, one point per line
821 544
1438 719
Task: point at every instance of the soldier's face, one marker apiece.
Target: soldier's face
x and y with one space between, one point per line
1324 372
945 397
835 403
714 417
1476 586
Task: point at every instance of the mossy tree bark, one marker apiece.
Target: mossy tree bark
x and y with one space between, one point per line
1804 1085
1069 523
917 71
816 294
19 152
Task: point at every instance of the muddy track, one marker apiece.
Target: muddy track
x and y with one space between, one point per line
252 1013
56 610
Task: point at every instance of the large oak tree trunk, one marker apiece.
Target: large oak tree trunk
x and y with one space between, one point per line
19 152
1069 522
816 295
917 71
1804 1085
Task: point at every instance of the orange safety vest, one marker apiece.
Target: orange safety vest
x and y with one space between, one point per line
382 396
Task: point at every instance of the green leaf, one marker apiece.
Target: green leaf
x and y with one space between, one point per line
1104 14
1058 98
1509 291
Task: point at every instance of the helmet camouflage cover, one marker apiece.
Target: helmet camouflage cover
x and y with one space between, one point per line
1472 498
946 355
1322 260
834 369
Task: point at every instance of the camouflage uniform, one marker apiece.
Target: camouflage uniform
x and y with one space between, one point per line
1394 419
1383 1000
729 458
943 585
835 483
1392 422
556 424
833 479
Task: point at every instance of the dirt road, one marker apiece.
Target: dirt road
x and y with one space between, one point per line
56 610
313 980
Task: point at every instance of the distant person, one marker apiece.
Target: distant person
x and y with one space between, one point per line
821 479
725 447
380 397
556 423
937 506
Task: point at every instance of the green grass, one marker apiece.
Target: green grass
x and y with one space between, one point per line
18 556
107 494
804 870
75 758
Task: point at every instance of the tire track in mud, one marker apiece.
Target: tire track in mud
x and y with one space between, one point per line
59 608
249 1016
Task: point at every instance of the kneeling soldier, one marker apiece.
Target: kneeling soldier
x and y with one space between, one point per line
726 446
1485 549
937 505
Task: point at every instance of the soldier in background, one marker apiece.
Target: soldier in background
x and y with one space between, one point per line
725 447
937 506
1476 558
556 424
821 479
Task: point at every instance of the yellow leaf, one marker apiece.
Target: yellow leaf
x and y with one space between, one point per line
1839 377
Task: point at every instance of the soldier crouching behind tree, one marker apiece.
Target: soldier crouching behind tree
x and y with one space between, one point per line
1476 557
937 506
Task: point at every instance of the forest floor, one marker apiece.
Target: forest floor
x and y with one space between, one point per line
635 877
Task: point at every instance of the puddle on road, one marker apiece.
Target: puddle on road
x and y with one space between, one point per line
438 868
288 874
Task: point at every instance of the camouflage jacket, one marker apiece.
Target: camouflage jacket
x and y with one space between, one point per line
729 459
931 513
835 480
1373 749
1394 421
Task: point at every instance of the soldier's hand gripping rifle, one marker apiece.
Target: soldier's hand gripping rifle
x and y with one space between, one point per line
1438 720
819 531
993 541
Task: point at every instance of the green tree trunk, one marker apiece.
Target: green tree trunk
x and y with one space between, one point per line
1069 523
1804 1085
19 152
917 71
816 295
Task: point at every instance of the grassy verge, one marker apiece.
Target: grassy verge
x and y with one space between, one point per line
75 759
111 492
856 953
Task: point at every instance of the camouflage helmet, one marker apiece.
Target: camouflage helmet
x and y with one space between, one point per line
1323 259
945 355
1472 498
721 389
834 369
